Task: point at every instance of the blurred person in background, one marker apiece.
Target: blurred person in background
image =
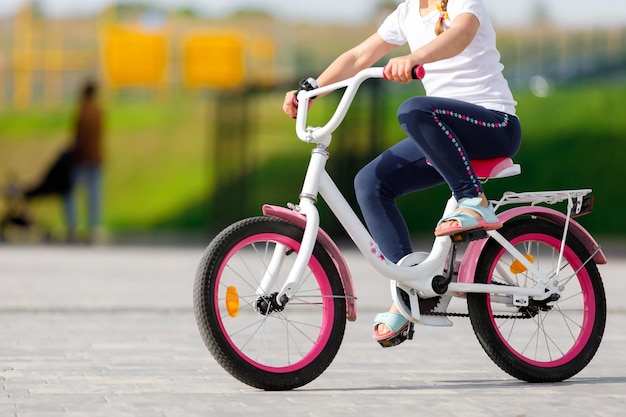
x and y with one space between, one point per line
87 146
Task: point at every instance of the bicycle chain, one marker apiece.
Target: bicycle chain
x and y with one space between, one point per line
444 314
428 310
497 316
427 305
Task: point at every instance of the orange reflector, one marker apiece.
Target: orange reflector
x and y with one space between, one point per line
232 301
518 268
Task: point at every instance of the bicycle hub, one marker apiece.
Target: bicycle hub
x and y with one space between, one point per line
268 304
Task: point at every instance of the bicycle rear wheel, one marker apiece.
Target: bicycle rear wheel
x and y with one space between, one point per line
546 341
251 336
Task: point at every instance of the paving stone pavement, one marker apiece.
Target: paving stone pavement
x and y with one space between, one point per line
109 331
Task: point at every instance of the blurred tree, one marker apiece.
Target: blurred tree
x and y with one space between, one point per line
541 17
250 12
386 6
186 12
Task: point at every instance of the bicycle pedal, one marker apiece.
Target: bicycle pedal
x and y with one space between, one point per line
469 236
410 331
406 334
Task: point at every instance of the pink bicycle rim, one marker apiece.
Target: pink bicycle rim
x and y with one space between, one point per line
589 305
328 305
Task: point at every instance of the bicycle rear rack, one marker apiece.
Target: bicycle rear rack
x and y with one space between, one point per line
584 204
546 197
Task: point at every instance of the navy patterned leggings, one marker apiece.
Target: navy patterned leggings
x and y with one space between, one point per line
443 134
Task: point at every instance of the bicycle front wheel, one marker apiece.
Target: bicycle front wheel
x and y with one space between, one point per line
254 338
547 341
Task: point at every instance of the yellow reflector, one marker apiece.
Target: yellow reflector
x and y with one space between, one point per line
518 268
232 301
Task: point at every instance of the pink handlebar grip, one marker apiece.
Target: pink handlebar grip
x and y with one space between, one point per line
417 73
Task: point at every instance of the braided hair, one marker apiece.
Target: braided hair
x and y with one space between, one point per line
443 16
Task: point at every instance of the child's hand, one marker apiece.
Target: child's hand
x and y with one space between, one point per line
290 105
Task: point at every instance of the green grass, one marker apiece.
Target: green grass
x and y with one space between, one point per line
575 139
166 170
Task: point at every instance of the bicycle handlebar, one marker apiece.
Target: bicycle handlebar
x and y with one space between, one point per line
323 134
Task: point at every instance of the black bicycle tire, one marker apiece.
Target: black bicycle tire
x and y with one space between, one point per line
206 319
483 326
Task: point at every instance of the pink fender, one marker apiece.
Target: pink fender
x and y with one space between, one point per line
329 245
470 259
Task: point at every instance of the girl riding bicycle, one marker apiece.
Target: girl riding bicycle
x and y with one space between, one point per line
468 113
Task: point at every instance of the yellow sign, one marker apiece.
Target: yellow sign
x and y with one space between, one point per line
214 60
134 57
262 52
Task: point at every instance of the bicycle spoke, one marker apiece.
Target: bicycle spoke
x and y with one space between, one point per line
549 339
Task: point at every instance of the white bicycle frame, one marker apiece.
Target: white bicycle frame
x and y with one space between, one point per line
415 280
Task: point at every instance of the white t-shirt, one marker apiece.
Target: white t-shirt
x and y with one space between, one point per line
474 75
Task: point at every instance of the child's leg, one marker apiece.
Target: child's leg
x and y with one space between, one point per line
400 170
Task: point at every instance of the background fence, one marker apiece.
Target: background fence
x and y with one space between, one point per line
140 48
196 138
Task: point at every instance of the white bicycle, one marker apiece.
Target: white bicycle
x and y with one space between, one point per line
272 293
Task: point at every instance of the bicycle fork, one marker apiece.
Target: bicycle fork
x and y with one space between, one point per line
308 198
297 270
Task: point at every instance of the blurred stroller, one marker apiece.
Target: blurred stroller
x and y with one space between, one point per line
17 222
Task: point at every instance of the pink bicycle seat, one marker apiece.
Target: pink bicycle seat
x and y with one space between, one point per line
495 168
